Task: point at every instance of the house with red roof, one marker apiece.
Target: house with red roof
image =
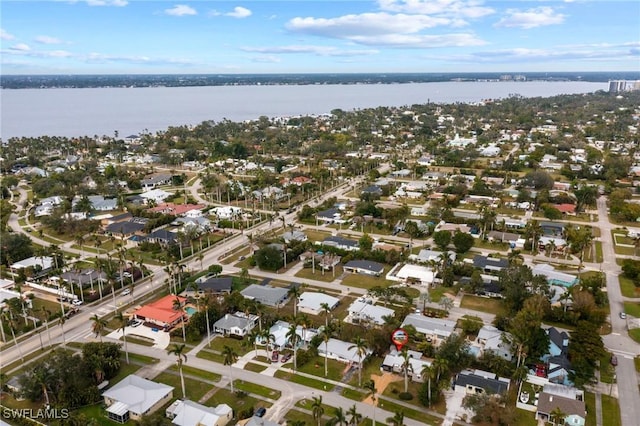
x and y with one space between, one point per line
565 208
161 312
176 209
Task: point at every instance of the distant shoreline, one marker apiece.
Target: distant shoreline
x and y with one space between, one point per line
204 80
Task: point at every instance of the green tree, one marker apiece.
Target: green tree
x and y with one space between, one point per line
98 326
317 409
230 358
269 258
365 242
462 242
370 387
442 239
361 347
181 357
339 417
585 350
122 325
356 417
397 419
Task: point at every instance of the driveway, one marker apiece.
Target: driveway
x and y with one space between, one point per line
161 338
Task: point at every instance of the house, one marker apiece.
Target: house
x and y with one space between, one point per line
280 340
394 361
478 381
238 324
312 302
490 265
155 196
294 235
46 206
413 274
365 267
134 397
162 237
372 190
565 208
157 180
189 413
491 340
552 229
127 228
554 277
557 364
553 400
84 277
322 260
425 256
173 209
453 227
109 219
504 237
343 352
341 243
226 212
260 421
162 312
558 342
330 215
214 285
364 311
98 203
42 263
267 295
435 329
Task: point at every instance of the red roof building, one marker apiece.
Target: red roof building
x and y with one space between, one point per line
176 209
161 311
565 208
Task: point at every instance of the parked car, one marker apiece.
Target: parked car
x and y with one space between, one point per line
274 356
77 302
260 412
136 323
126 291
623 315
285 357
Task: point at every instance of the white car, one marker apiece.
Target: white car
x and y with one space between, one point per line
136 323
77 302
126 292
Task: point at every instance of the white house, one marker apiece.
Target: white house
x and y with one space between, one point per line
342 352
155 195
226 212
134 397
189 413
490 339
44 262
393 362
280 340
238 324
435 329
364 311
311 302
414 274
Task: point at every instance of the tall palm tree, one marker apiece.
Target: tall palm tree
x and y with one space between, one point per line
46 314
370 386
63 319
122 324
292 335
427 371
557 416
268 338
13 334
326 310
397 419
440 365
181 357
294 293
98 326
406 367
230 358
326 335
355 416
361 347
317 409
253 336
339 417
177 306
206 301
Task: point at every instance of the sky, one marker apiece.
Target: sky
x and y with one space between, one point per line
263 36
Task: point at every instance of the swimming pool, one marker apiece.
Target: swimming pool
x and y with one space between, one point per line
190 311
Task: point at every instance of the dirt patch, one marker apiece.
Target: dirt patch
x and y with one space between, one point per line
381 383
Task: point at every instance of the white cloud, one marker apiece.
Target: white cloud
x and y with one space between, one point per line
43 39
239 12
459 8
268 59
531 18
418 41
181 10
117 3
317 50
5 35
21 47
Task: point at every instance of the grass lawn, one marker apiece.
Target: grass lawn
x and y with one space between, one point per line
635 334
210 356
97 413
38 304
590 404
409 412
367 281
371 367
192 371
315 367
296 415
611 411
632 308
237 345
256 368
224 396
525 418
306 381
627 287
142 359
478 243
195 388
636 362
482 304
606 369
125 369
314 235
319 276
139 340
257 389
353 394
436 293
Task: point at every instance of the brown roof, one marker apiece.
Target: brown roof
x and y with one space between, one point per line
548 402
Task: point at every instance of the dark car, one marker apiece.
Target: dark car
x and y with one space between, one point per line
260 412
285 358
274 356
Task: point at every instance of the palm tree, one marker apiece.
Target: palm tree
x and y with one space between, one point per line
326 310
317 409
122 323
181 357
406 367
253 336
99 324
292 335
397 419
360 345
355 416
63 319
326 335
446 304
370 386
177 306
206 301
294 293
339 417
427 371
440 365
13 334
46 313
557 416
230 358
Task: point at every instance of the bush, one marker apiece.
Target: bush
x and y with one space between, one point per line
405 396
